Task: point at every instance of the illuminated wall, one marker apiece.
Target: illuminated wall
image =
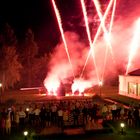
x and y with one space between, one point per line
129 86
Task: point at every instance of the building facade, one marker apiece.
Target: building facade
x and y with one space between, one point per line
129 85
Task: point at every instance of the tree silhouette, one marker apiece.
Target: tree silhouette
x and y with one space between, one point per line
28 58
9 65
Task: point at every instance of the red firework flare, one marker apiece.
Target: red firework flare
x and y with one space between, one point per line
62 33
134 44
89 38
97 33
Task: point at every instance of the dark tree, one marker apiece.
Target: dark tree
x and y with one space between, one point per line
9 64
29 59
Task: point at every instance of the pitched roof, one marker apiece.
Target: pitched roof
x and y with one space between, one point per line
135 73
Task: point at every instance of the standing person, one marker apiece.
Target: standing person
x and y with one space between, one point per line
31 115
129 118
42 116
37 113
85 113
136 117
66 115
22 116
54 114
2 125
122 113
76 113
104 111
114 111
3 116
60 118
8 124
17 119
48 115
12 114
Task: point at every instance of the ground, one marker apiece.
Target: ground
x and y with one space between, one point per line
33 95
22 97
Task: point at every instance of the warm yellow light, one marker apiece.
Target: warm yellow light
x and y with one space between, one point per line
25 133
122 125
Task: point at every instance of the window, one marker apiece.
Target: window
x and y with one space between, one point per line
132 88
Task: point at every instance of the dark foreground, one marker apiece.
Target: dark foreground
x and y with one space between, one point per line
88 136
111 132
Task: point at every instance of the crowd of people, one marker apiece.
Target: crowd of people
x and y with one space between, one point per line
65 113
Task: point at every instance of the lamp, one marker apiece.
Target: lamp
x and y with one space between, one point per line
25 134
122 125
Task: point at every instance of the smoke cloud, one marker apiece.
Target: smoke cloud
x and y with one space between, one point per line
115 64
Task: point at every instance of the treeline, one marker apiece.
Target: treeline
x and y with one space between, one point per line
21 65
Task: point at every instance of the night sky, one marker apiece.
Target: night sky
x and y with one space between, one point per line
36 14
40 17
21 14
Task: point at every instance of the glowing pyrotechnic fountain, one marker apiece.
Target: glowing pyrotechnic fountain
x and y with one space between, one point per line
80 85
100 83
78 49
134 44
52 84
97 34
62 33
100 86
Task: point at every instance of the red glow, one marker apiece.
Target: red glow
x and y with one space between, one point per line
134 44
80 85
118 33
108 38
106 34
89 38
98 32
100 83
62 33
112 17
52 84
